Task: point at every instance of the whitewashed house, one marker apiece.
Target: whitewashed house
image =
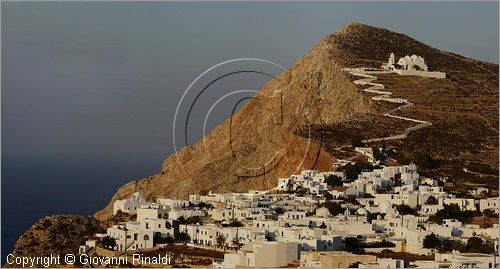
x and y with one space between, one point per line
459 260
428 210
172 203
407 198
463 203
129 205
262 254
489 203
152 211
175 214
383 263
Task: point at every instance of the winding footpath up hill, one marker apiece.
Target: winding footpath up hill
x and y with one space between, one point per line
385 96
463 109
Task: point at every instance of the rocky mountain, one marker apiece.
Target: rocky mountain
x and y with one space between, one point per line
321 109
463 108
300 119
56 235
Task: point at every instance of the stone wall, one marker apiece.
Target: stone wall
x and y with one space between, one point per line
421 73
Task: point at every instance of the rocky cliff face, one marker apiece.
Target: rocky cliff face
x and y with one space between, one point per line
56 235
314 91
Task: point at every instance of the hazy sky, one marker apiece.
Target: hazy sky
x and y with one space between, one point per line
89 90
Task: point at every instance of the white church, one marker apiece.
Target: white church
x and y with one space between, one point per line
410 66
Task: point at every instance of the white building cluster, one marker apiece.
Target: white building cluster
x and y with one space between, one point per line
310 180
411 66
284 226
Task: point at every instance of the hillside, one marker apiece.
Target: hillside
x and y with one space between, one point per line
56 235
463 107
321 102
321 110
314 91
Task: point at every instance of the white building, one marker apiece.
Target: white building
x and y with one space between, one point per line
414 62
383 263
407 198
333 259
261 255
459 260
463 203
152 211
294 215
172 203
428 210
489 203
129 205
131 236
175 214
411 65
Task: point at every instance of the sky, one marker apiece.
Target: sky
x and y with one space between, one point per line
89 90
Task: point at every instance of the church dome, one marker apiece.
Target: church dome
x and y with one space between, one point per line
322 212
385 206
362 211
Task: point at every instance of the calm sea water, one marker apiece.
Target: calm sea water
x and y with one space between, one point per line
32 189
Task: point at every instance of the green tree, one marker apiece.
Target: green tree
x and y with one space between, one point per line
300 191
108 242
334 208
327 195
221 240
457 245
372 216
431 241
453 211
334 180
157 239
445 245
352 170
182 237
181 220
475 243
205 205
279 210
353 244
235 242
406 210
490 213
193 220
235 223
424 160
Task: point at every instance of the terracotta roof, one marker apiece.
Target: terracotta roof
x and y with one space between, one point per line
340 188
